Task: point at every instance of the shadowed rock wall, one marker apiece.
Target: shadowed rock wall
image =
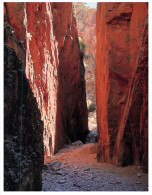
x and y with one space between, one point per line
23 129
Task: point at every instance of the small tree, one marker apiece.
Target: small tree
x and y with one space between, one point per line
82 47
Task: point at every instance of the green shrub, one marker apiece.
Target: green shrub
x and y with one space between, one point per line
91 107
87 56
82 46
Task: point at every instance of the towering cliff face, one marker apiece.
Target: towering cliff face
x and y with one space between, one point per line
45 45
86 25
23 129
121 83
54 67
14 31
56 73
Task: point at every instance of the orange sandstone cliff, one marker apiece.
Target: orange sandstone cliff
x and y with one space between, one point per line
43 37
54 68
56 72
122 83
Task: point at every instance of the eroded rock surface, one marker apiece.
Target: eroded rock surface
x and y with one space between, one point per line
121 83
56 73
23 129
54 67
44 37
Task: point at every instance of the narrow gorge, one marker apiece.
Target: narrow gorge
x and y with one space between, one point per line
57 58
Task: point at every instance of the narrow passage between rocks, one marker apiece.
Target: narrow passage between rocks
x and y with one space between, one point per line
65 64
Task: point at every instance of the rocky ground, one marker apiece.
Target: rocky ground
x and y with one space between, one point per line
75 168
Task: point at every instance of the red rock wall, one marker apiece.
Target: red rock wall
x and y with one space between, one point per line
121 83
55 70
72 116
42 64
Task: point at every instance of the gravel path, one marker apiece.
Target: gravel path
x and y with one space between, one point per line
75 169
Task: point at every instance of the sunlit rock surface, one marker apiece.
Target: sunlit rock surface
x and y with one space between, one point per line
121 83
56 72
54 67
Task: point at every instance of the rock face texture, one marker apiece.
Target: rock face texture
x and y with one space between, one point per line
122 83
56 72
86 25
50 87
23 132
14 30
54 67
